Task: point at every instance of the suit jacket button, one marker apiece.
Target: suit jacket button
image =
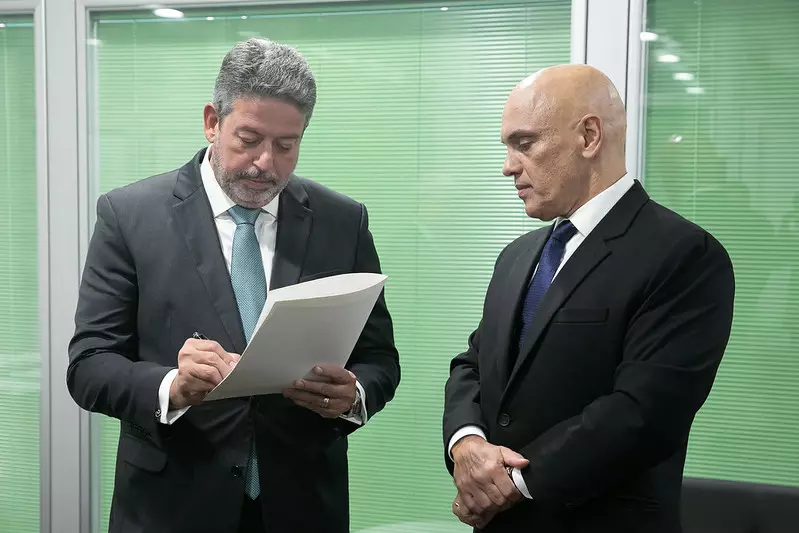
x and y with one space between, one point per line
504 420
236 471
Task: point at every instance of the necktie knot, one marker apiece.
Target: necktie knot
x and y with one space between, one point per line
563 232
244 215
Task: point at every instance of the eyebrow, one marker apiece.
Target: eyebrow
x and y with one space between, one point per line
520 134
246 129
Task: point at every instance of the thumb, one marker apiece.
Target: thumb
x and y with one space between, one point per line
511 458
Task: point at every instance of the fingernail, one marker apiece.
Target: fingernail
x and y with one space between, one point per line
318 369
299 384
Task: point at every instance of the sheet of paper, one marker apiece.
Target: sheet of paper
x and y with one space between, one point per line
302 325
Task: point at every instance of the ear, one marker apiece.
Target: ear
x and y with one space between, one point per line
592 133
211 122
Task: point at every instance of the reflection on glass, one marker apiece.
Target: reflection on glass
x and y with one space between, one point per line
668 58
734 173
168 13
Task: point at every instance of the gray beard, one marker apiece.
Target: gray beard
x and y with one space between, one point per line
241 194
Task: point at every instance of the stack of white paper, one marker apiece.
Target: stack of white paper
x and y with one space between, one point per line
302 325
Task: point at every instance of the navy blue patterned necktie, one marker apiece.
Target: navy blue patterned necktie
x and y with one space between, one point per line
548 264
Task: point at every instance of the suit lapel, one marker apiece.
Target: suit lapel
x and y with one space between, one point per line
585 259
590 253
293 229
196 221
515 291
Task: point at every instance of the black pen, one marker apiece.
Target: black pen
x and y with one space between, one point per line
199 336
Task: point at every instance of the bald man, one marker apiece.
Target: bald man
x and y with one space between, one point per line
600 336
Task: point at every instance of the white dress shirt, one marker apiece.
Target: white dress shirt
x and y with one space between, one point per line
266 232
585 219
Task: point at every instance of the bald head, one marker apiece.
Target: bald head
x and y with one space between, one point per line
565 128
570 92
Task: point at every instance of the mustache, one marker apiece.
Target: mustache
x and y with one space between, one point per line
255 175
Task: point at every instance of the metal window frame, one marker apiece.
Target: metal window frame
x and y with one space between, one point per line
636 90
604 34
613 45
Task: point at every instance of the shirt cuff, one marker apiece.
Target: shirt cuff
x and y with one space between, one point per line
518 480
359 418
465 431
168 417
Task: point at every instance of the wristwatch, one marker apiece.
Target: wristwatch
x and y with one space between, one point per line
356 407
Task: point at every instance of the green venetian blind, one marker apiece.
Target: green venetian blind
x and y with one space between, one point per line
408 122
721 149
19 305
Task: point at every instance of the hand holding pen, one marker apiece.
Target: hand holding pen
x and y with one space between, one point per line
202 365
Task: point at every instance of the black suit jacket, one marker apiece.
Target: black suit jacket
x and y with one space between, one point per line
621 354
154 274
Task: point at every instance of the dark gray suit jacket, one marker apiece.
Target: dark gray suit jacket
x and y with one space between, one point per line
154 274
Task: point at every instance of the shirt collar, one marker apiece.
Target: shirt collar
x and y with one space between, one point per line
588 217
219 200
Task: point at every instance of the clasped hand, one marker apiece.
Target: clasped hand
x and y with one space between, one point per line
484 486
330 392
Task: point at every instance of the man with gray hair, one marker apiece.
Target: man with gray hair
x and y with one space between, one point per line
177 273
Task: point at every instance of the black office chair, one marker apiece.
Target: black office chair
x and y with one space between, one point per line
715 506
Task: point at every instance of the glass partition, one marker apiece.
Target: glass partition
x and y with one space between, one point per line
720 148
408 122
20 366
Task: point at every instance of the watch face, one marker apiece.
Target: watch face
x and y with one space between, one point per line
356 407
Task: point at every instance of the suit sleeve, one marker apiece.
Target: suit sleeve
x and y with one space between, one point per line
462 392
374 360
104 374
672 349
462 395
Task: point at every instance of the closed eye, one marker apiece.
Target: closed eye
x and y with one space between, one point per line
249 141
523 146
286 145
522 141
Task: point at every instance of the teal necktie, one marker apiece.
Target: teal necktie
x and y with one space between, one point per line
249 286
